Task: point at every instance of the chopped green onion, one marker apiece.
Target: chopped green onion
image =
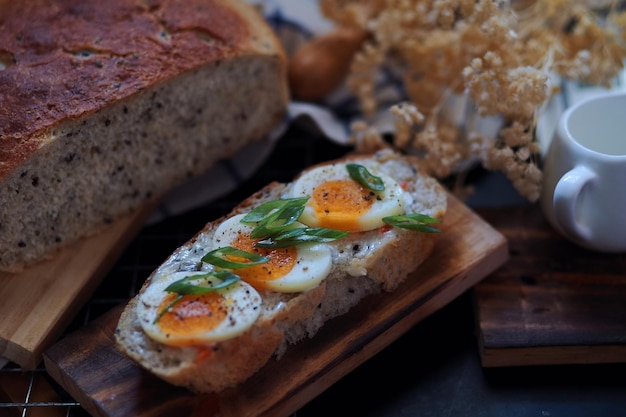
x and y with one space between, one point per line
416 221
168 307
277 222
302 235
274 216
218 257
259 213
211 281
361 175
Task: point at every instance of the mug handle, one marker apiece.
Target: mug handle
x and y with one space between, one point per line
566 195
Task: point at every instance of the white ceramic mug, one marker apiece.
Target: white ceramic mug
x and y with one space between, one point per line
584 185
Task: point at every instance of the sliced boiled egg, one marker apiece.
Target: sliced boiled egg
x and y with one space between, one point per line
291 269
339 202
200 318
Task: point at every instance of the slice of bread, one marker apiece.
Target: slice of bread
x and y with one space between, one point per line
108 105
363 263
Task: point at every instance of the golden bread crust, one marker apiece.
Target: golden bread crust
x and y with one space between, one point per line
73 57
105 106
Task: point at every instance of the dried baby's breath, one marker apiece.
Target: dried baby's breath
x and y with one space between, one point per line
365 138
502 56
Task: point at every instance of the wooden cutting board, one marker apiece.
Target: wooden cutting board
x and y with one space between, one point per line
107 384
553 302
38 303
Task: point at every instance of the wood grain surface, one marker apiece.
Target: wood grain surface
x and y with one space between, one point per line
553 302
38 303
108 384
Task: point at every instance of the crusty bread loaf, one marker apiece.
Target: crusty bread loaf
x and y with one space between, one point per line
364 263
107 105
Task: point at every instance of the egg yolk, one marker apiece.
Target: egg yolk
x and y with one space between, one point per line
193 314
338 204
281 261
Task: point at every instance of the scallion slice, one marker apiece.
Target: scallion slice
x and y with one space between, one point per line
415 221
261 212
274 216
302 235
223 258
361 175
202 283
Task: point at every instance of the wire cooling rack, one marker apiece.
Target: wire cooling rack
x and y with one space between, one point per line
35 393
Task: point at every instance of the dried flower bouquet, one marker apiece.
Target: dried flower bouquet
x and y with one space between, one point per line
502 56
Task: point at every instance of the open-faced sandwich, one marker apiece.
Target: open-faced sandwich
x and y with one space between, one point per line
280 265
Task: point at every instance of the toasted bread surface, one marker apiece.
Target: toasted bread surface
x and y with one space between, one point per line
364 263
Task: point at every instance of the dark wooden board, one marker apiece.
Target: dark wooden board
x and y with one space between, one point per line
87 364
552 302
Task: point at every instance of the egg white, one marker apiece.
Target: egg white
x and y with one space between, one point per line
241 301
389 202
313 260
